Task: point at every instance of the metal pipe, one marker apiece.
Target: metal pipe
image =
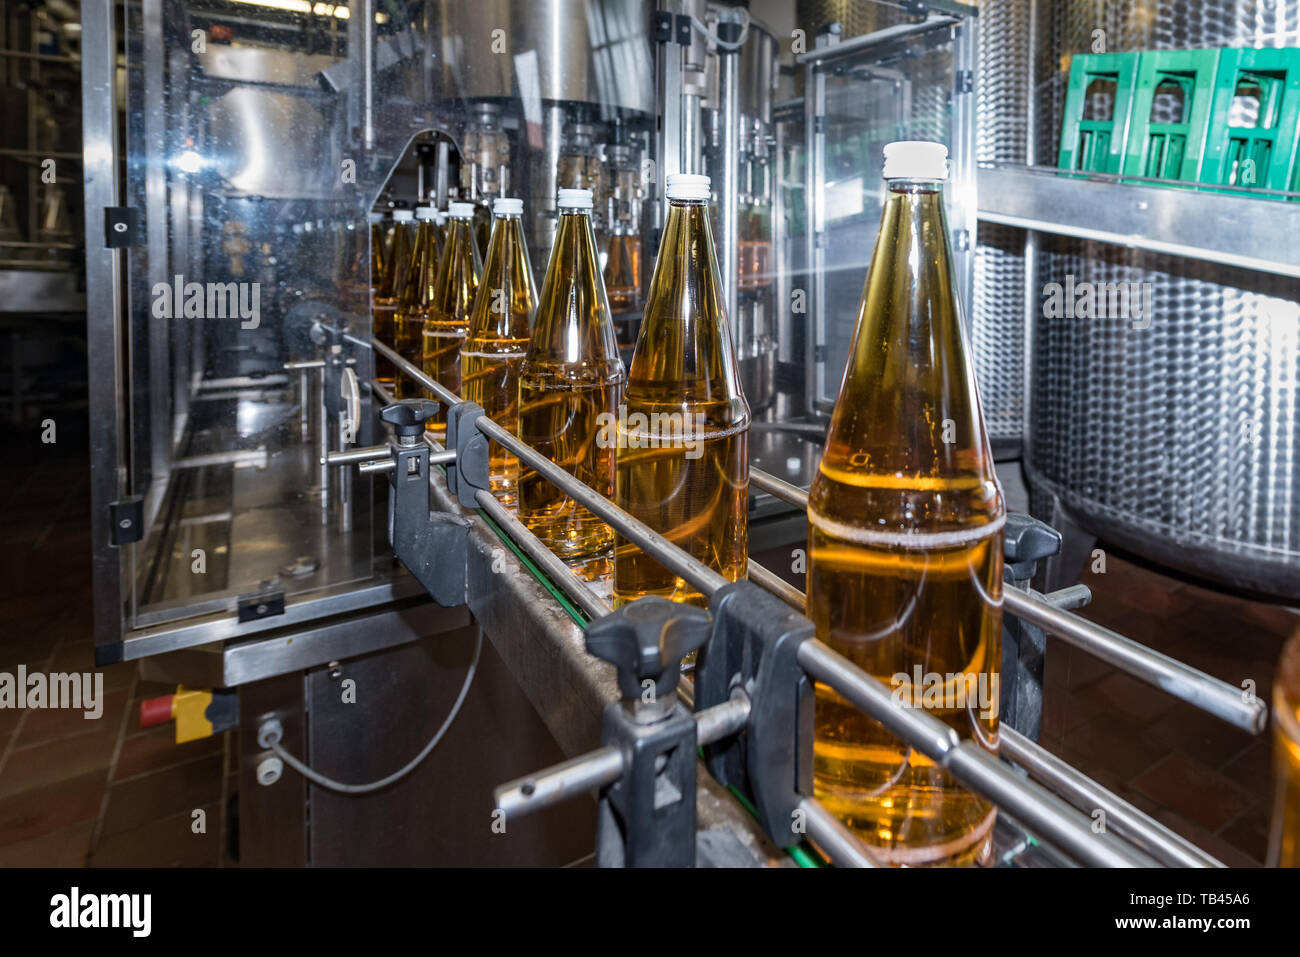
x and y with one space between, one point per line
772 582
1182 681
440 391
1219 698
837 841
728 187
1072 596
377 467
560 782
1087 795
778 488
603 766
722 720
1037 808
532 546
353 456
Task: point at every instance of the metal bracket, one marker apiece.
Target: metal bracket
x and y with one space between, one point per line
265 605
964 81
682 22
470 475
662 26
122 227
755 644
126 520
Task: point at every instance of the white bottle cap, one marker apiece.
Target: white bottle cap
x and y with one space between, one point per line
403 215
573 199
439 216
915 159
508 207
461 210
375 217
425 212
688 186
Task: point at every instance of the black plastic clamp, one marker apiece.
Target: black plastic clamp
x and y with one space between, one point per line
1026 540
470 475
755 645
434 546
647 817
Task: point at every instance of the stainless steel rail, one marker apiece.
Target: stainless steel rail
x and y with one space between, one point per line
644 537
1032 804
835 840
1086 794
532 546
603 766
1206 692
1231 704
1041 811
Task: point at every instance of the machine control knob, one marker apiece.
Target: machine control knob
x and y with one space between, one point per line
647 641
1026 540
407 416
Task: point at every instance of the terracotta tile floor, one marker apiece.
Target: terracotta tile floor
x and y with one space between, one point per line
1198 775
76 792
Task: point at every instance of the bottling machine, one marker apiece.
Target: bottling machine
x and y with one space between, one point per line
270 524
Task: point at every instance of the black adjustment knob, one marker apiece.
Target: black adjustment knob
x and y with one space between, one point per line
647 640
407 417
1025 541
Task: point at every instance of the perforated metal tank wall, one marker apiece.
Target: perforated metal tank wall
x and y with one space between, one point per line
1179 441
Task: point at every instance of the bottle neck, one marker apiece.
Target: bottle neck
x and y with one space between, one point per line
905 184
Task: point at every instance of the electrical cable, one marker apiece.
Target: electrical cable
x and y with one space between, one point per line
271 740
726 44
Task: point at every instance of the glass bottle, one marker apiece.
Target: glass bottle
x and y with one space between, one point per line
570 384
1284 841
413 305
447 321
623 270
905 522
390 289
683 430
378 251
499 330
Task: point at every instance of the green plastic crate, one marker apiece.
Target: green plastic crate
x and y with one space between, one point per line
1093 140
1262 153
1170 114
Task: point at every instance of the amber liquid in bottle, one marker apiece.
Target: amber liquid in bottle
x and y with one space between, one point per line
413 305
570 385
378 254
623 271
682 457
447 322
1284 840
389 293
905 549
493 352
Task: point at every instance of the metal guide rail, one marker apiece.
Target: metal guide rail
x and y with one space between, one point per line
756 732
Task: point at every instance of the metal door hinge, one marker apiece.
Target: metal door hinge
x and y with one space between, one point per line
122 227
964 81
126 520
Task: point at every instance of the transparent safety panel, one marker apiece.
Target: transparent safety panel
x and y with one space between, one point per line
899 89
259 137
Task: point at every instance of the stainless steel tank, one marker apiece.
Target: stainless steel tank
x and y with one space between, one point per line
1180 442
553 50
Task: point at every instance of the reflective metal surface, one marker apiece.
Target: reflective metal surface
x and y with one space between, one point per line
1179 441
